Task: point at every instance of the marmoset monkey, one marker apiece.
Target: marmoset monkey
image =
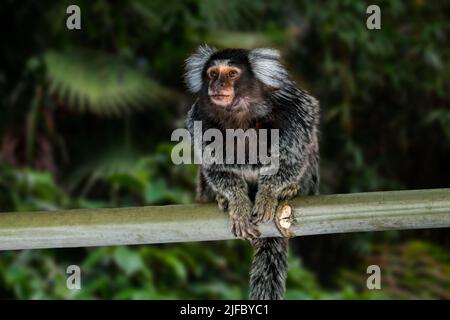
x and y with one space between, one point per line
250 89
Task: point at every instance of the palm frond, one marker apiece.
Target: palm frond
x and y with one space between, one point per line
101 84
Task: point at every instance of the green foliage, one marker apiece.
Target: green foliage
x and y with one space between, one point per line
131 179
413 270
101 84
27 190
441 117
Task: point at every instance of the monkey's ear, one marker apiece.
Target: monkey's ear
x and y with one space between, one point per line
267 67
194 67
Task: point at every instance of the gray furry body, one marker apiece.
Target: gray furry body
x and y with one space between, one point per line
247 195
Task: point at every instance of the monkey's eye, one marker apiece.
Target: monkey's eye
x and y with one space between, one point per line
233 74
212 74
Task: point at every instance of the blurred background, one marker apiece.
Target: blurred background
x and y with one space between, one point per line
86 118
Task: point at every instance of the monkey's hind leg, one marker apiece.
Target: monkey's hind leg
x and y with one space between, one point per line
204 192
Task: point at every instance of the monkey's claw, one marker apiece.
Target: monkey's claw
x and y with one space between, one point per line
241 225
243 228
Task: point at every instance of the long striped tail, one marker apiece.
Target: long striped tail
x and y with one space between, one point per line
269 269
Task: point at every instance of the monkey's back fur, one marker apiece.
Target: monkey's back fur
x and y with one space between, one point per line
296 115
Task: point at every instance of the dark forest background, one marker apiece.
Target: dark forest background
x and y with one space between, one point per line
86 118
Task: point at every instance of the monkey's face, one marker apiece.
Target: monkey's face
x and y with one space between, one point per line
222 80
234 84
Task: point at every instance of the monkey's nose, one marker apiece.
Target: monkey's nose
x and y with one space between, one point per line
221 84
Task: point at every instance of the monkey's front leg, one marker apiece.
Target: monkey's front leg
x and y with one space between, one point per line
267 200
283 185
232 191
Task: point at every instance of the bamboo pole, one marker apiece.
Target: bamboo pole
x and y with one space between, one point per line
373 211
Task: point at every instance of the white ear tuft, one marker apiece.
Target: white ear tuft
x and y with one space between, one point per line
194 67
267 67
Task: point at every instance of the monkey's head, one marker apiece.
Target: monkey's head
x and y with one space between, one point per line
234 80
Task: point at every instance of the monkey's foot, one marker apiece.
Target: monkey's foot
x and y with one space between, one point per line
222 202
265 208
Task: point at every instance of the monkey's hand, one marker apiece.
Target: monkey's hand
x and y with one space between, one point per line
240 218
266 202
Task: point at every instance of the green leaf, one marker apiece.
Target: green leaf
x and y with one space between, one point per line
128 260
100 83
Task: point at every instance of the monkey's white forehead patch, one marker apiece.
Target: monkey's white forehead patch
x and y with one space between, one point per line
223 62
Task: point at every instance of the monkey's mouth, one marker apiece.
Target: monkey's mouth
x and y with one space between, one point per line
221 99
